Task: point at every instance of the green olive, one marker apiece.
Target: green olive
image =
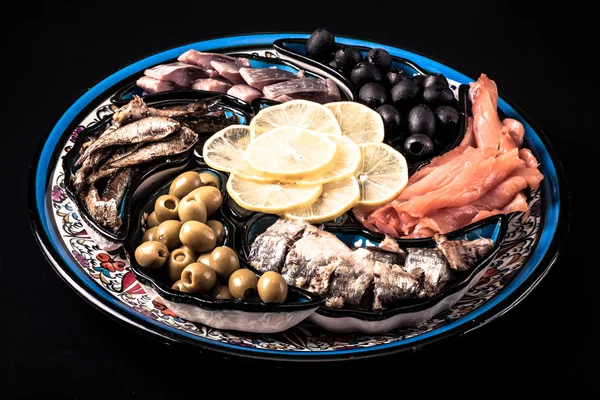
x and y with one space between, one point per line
179 286
218 229
185 183
193 253
209 179
197 236
152 221
192 208
151 254
150 235
168 233
178 260
242 284
210 196
272 288
198 278
204 258
166 207
224 260
220 292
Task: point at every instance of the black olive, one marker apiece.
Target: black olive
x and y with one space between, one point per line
404 93
320 45
380 58
392 119
446 118
438 96
421 120
435 80
363 73
347 57
393 77
418 146
418 79
372 94
333 64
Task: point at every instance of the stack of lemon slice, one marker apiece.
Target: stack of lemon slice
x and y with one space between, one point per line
304 160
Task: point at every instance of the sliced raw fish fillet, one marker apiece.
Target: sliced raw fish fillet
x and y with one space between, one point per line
229 71
518 204
507 143
260 77
269 249
212 73
151 85
178 73
204 59
220 85
296 87
487 127
463 254
312 259
244 92
515 129
434 266
438 161
392 284
527 156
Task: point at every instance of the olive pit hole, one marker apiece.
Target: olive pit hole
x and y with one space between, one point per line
180 257
170 204
162 253
416 148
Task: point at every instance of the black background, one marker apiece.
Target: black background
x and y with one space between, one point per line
53 342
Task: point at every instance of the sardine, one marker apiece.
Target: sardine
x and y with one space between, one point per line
104 212
89 167
103 171
117 185
145 130
137 109
211 123
269 249
463 254
433 264
351 282
312 259
392 284
181 141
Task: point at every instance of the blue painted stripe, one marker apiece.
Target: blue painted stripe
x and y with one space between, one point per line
550 182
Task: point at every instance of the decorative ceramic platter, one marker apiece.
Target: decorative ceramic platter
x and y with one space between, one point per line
104 278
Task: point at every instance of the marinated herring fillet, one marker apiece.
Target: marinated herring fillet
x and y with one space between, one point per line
296 88
151 85
229 71
180 74
260 77
204 60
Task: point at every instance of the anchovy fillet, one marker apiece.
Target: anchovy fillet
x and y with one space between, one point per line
137 109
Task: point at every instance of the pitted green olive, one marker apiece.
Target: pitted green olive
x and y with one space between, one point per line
185 183
224 261
168 233
209 179
166 207
198 278
242 284
177 261
197 236
192 208
179 286
152 221
272 288
150 235
218 229
204 258
210 196
220 292
151 254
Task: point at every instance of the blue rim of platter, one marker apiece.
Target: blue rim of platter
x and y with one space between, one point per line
556 215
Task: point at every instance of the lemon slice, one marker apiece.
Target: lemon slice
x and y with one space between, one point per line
290 153
358 122
382 174
337 197
299 113
345 162
270 197
225 151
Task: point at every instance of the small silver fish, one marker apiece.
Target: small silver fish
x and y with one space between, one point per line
145 130
181 141
137 109
210 123
463 254
433 264
117 185
104 212
392 284
269 249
